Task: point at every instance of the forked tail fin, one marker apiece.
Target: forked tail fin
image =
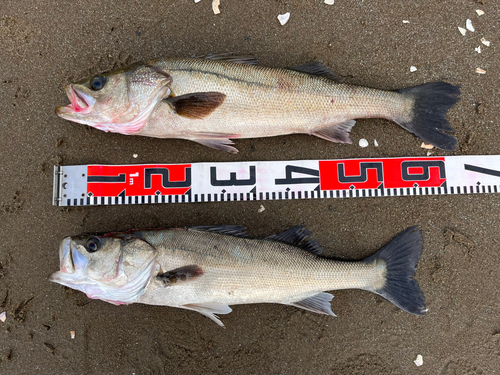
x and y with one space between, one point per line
401 257
428 122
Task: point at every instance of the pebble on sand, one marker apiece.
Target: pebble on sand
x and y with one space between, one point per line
413 68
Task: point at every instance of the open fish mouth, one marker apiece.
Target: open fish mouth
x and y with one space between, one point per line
80 102
71 262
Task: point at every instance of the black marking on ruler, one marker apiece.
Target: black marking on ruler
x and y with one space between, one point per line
495 188
107 179
481 170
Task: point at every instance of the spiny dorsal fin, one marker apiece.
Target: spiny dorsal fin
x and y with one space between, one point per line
319 303
316 68
298 236
186 273
230 57
196 105
232 230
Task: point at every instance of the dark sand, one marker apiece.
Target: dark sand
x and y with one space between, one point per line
47 44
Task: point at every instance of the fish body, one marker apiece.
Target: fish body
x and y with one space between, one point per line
213 100
207 269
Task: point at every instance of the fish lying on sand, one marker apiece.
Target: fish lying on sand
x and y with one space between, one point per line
206 269
216 98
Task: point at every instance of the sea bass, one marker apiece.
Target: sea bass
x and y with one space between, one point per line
206 269
214 99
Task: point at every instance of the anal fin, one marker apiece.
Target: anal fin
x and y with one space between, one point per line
209 309
318 303
336 133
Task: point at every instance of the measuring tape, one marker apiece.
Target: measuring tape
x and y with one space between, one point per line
87 185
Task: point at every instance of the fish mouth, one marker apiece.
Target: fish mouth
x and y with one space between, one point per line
71 263
79 102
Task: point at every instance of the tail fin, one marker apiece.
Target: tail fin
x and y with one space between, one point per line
432 101
401 257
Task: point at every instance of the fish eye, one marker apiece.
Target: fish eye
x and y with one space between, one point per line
97 83
93 245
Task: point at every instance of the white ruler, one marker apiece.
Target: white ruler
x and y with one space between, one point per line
87 185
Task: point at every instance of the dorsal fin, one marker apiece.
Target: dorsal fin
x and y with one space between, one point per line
316 68
298 236
230 57
232 230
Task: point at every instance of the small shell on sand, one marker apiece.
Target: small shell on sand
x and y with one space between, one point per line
413 68
215 6
329 2
479 12
480 71
283 18
426 146
462 30
363 143
419 361
3 316
468 25
485 42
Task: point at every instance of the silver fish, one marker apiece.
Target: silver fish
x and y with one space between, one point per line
217 98
206 269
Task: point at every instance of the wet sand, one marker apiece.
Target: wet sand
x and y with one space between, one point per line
45 45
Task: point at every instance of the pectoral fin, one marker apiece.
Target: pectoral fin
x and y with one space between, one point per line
186 273
336 133
196 105
319 303
209 310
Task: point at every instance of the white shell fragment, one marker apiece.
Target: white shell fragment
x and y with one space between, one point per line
375 143
478 49
479 12
215 6
261 209
413 68
197 1
426 146
480 71
363 143
329 2
468 25
485 42
72 333
462 30
419 361
406 21
3 316
135 156
283 18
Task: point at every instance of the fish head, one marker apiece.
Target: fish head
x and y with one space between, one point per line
115 268
121 101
